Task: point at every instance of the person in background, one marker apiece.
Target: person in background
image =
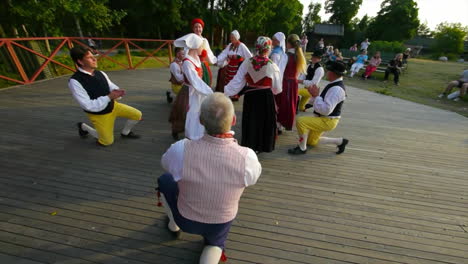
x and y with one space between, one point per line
314 75
177 77
461 83
98 95
178 114
365 44
360 61
201 191
353 47
278 53
320 45
373 64
327 112
230 60
198 89
304 42
406 56
207 57
394 67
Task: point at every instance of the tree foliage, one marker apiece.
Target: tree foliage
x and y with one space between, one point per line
312 17
342 10
424 30
450 37
397 20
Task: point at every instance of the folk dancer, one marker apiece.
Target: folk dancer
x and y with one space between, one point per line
327 112
207 57
315 73
198 89
201 191
97 95
261 77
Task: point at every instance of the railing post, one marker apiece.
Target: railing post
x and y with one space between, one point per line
170 52
17 62
129 56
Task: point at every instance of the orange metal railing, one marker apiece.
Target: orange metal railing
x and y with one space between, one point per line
16 43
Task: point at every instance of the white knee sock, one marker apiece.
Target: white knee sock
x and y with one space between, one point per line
211 255
91 130
128 126
327 140
303 141
172 224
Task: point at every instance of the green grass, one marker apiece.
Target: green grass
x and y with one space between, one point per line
422 82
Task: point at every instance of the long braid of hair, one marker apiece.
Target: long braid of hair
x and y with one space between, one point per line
301 65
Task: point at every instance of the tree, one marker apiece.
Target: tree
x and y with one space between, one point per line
312 17
424 31
286 16
450 37
342 10
397 20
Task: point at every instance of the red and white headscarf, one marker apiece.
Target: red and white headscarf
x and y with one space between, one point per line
263 45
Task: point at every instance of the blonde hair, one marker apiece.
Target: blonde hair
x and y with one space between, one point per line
217 113
301 65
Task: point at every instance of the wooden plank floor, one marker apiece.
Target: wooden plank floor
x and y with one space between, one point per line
399 194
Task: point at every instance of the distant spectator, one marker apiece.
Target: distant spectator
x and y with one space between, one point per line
406 55
304 42
353 47
394 66
339 56
92 45
462 83
365 44
335 55
360 61
329 52
320 45
373 64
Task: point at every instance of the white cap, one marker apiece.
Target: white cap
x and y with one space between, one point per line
282 39
235 34
189 41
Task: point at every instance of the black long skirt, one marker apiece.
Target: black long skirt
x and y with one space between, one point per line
259 120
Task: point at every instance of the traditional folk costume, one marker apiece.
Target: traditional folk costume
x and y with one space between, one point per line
229 61
262 80
207 57
287 99
180 107
197 89
327 113
91 91
278 55
315 73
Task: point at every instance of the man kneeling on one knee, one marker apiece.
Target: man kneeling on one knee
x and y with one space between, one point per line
327 112
205 178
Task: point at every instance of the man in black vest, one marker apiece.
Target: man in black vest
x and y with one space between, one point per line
327 112
98 95
315 73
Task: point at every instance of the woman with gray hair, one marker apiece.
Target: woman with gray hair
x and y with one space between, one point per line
261 79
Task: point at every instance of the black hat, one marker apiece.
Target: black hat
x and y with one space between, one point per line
317 53
337 67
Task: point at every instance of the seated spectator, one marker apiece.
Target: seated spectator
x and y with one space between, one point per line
360 60
462 83
406 56
353 47
206 177
373 64
330 51
335 55
339 56
365 44
394 66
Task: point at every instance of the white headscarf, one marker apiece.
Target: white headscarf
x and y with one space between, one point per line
236 34
282 39
189 41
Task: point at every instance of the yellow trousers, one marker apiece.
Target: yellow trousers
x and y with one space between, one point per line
176 88
104 124
315 126
305 97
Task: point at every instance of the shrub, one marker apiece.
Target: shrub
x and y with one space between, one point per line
386 46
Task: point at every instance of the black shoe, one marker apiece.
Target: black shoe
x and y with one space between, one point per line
175 136
307 106
342 147
168 97
280 132
130 135
81 132
296 151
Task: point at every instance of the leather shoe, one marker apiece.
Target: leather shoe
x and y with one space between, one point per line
130 135
296 151
81 132
341 148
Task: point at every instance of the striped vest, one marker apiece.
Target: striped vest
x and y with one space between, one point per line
213 179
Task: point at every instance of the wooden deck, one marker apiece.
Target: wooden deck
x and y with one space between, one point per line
399 194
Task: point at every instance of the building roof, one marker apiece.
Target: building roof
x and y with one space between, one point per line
329 29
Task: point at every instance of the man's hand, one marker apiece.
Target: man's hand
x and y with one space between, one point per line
313 90
116 94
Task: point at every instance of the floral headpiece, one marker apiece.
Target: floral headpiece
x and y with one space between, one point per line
263 45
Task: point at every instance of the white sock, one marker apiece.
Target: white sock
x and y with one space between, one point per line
211 255
303 141
91 130
172 224
327 140
128 126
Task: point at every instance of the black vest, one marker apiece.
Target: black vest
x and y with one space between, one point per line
311 70
337 110
96 86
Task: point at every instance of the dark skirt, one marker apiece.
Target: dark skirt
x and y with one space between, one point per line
220 80
259 120
287 103
179 110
